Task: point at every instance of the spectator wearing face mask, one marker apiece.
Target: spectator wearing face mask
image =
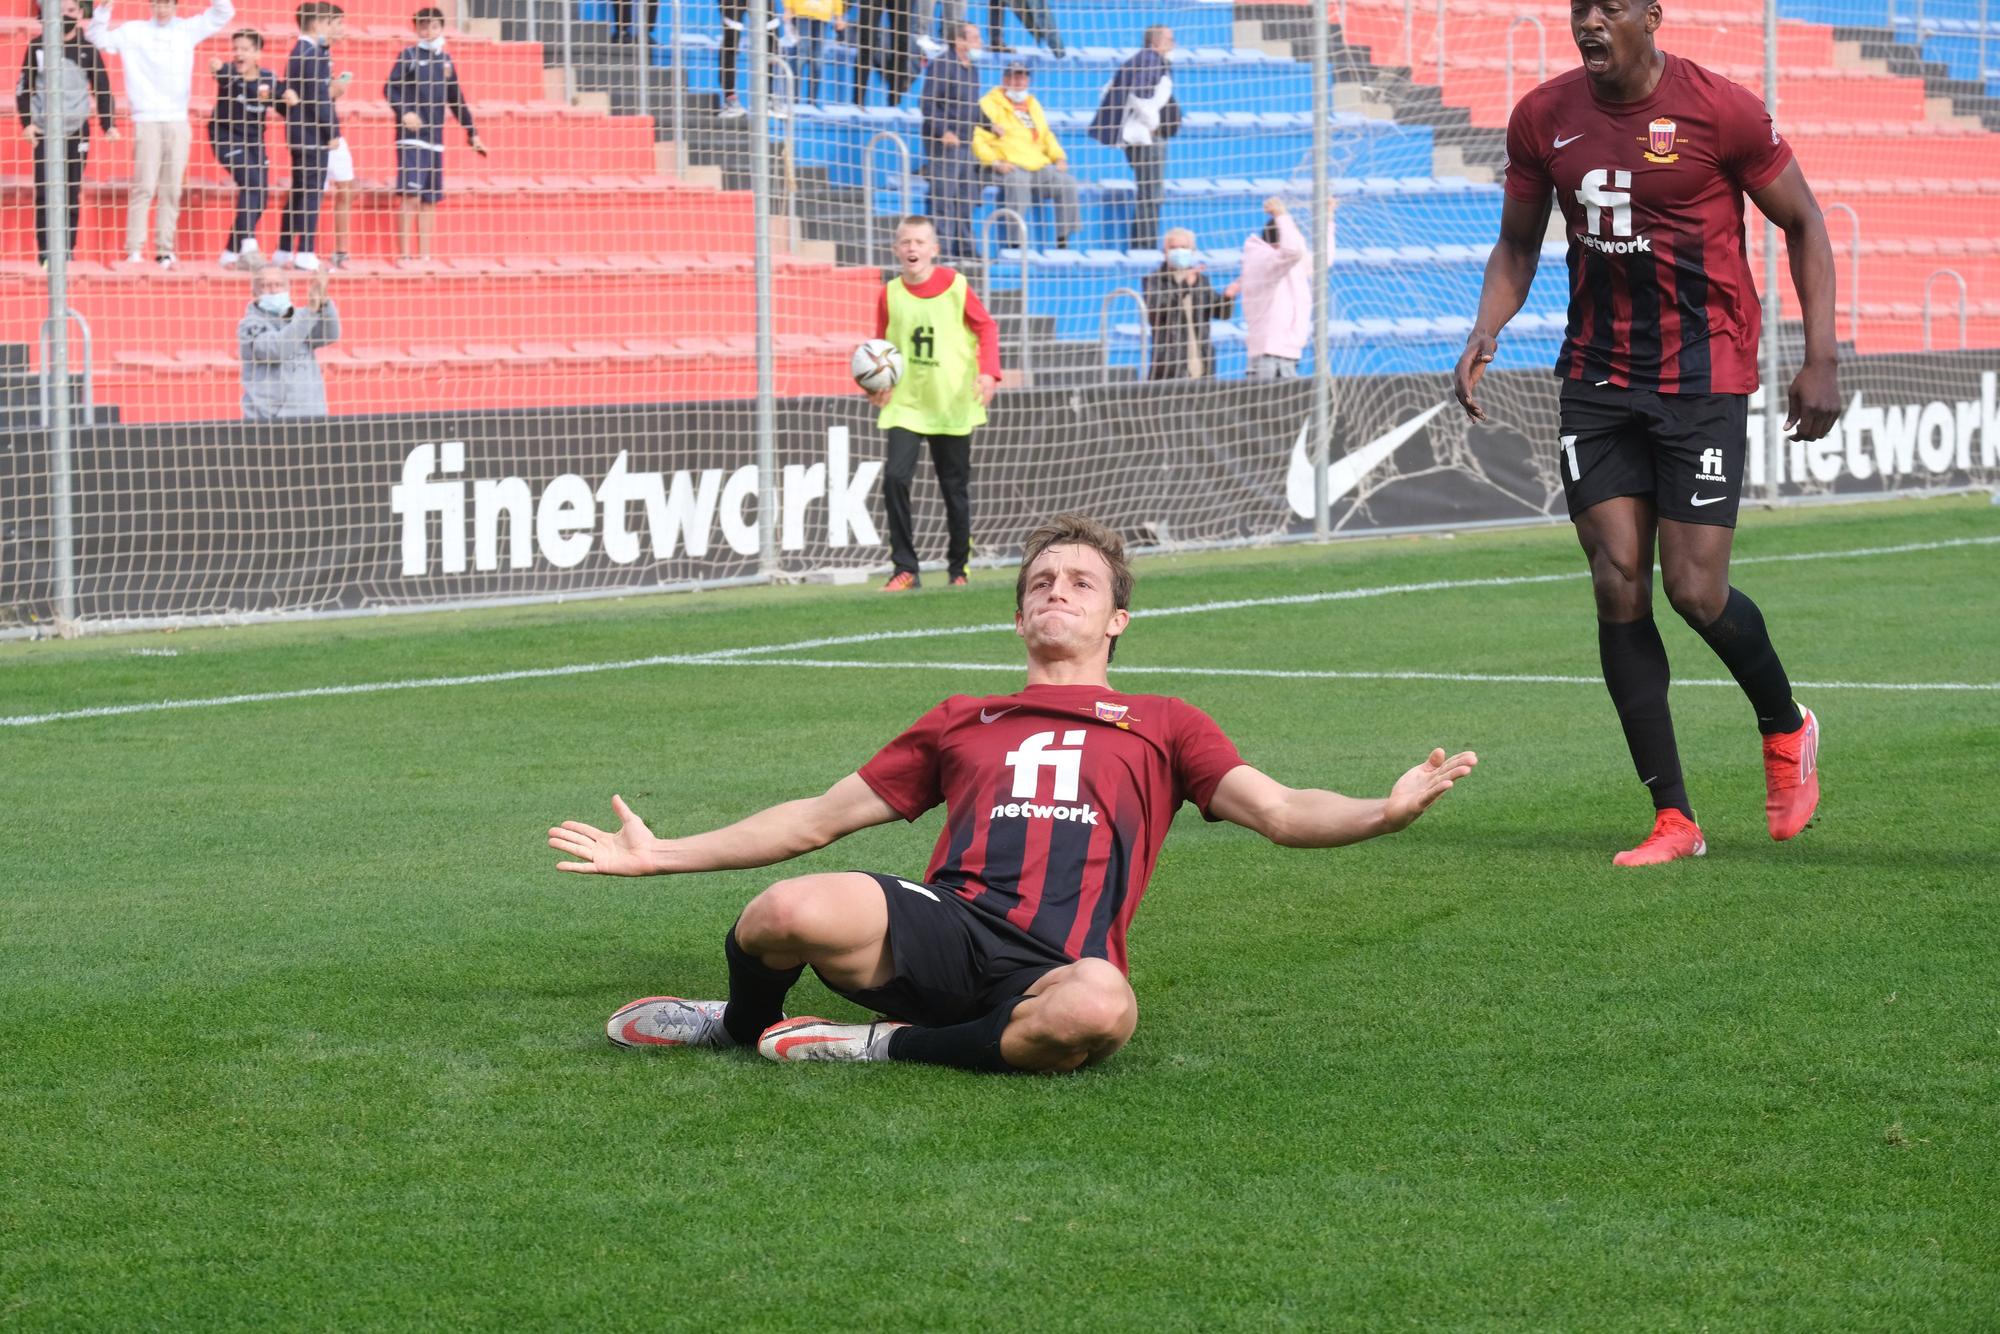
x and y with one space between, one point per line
1276 288
1015 142
1180 303
277 342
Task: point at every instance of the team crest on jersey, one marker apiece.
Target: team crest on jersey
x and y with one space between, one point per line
1114 713
1660 141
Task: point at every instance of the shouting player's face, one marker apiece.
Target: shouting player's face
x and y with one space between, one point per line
916 248
1615 39
1067 608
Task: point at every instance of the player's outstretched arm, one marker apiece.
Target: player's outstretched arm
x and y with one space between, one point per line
1313 818
1510 272
776 834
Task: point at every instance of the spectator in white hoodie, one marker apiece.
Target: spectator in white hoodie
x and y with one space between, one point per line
159 75
1276 287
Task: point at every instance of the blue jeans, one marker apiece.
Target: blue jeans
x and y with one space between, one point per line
813 35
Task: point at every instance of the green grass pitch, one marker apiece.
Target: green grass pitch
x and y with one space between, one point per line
302 1030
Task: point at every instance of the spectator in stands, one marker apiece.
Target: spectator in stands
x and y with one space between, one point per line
159 78
1276 288
1016 142
735 17
1034 15
622 28
422 89
1180 302
80 82
882 43
340 158
312 128
245 93
815 23
277 343
951 115
1139 114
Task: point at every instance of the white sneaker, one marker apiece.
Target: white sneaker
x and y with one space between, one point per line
779 111
135 258
731 110
251 257
168 262
282 258
809 1039
228 259
307 261
669 1021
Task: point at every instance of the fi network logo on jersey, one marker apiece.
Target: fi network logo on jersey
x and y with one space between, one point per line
1606 197
1035 754
1711 466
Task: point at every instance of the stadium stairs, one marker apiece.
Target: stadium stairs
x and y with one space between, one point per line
571 267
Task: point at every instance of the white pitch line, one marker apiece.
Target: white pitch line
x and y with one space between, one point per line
730 656
1285 674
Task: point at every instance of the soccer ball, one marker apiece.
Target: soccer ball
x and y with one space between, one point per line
877 365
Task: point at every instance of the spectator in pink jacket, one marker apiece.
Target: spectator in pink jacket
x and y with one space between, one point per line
1276 288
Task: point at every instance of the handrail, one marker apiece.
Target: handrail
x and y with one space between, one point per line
1104 332
677 92
1541 53
1963 294
89 379
644 73
788 111
1853 268
986 254
569 55
902 147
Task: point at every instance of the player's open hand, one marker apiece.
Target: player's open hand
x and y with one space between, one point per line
1472 364
1416 790
987 384
627 851
1813 404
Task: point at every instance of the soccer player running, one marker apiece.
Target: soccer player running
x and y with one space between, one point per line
1009 954
1649 157
951 366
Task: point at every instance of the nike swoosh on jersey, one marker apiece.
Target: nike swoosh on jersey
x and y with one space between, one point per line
1565 143
986 717
1699 501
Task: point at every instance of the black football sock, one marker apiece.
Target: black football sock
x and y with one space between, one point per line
756 993
1739 638
973 1045
1636 674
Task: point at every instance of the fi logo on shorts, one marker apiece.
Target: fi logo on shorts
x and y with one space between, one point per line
1711 466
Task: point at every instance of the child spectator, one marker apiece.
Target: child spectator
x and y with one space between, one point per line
312 128
340 159
422 89
69 92
245 93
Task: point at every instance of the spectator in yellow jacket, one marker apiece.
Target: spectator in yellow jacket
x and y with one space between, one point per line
1016 144
814 25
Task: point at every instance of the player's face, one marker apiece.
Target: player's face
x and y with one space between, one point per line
916 248
1066 608
1614 37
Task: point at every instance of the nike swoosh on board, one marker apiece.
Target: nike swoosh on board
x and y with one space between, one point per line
986 717
1345 473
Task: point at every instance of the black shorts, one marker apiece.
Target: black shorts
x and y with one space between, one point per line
419 173
1684 452
953 962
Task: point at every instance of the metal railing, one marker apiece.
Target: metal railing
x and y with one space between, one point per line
986 254
1853 268
1541 52
903 174
1964 294
50 377
1104 332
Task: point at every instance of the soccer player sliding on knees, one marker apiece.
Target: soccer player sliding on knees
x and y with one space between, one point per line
1009 952
1649 157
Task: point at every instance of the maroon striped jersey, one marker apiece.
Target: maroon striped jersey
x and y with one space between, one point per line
1660 295
1056 801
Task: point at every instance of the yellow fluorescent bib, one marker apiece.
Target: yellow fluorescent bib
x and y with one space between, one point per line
939 391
